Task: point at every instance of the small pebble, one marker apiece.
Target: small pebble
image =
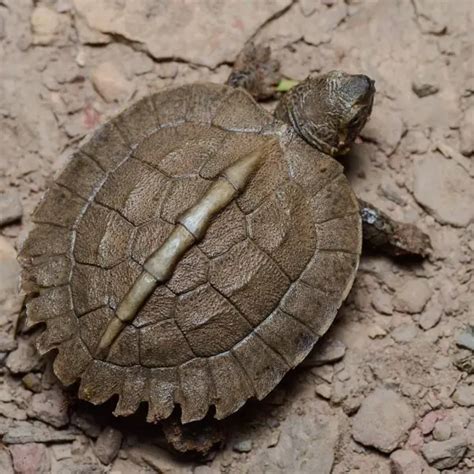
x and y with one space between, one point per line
243 446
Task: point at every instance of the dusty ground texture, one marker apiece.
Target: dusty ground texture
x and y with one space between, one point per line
394 388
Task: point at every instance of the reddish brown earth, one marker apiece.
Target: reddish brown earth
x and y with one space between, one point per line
392 390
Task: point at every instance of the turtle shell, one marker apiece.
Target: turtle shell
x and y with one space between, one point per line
244 304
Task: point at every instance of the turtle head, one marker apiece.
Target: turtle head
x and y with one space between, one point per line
330 110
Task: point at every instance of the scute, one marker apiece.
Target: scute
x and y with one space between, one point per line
243 306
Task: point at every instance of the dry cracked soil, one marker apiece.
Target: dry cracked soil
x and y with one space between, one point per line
391 388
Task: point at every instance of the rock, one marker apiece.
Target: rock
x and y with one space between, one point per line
465 132
191 31
31 458
442 431
406 461
158 460
444 189
9 271
445 454
108 445
7 342
243 446
45 24
382 302
324 390
412 296
11 209
424 85
430 317
428 422
87 423
328 352
110 83
23 359
50 406
466 338
32 382
22 432
383 420
6 466
464 395
306 440
405 332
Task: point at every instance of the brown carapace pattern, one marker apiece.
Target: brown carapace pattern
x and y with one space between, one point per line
254 287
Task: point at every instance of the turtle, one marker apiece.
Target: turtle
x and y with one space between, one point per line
196 247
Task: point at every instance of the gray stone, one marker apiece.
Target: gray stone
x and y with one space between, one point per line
445 454
86 423
22 432
405 332
406 461
243 446
383 420
442 431
445 189
45 24
423 88
464 395
11 209
31 458
382 302
108 445
191 31
412 296
158 459
6 466
9 271
23 359
327 352
430 317
110 82
466 338
50 406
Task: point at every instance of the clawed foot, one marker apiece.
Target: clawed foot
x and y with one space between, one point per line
256 72
389 236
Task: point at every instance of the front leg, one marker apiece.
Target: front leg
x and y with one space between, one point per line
395 238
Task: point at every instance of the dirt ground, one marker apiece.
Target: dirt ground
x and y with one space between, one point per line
391 388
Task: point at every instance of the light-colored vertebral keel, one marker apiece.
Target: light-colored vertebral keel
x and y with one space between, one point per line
190 228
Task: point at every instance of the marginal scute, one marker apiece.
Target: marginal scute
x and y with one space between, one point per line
163 388
72 359
138 121
47 271
286 335
204 100
134 390
231 384
342 234
335 200
196 391
107 147
82 175
45 239
51 303
57 331
100 382
59 207
262 370
311 169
